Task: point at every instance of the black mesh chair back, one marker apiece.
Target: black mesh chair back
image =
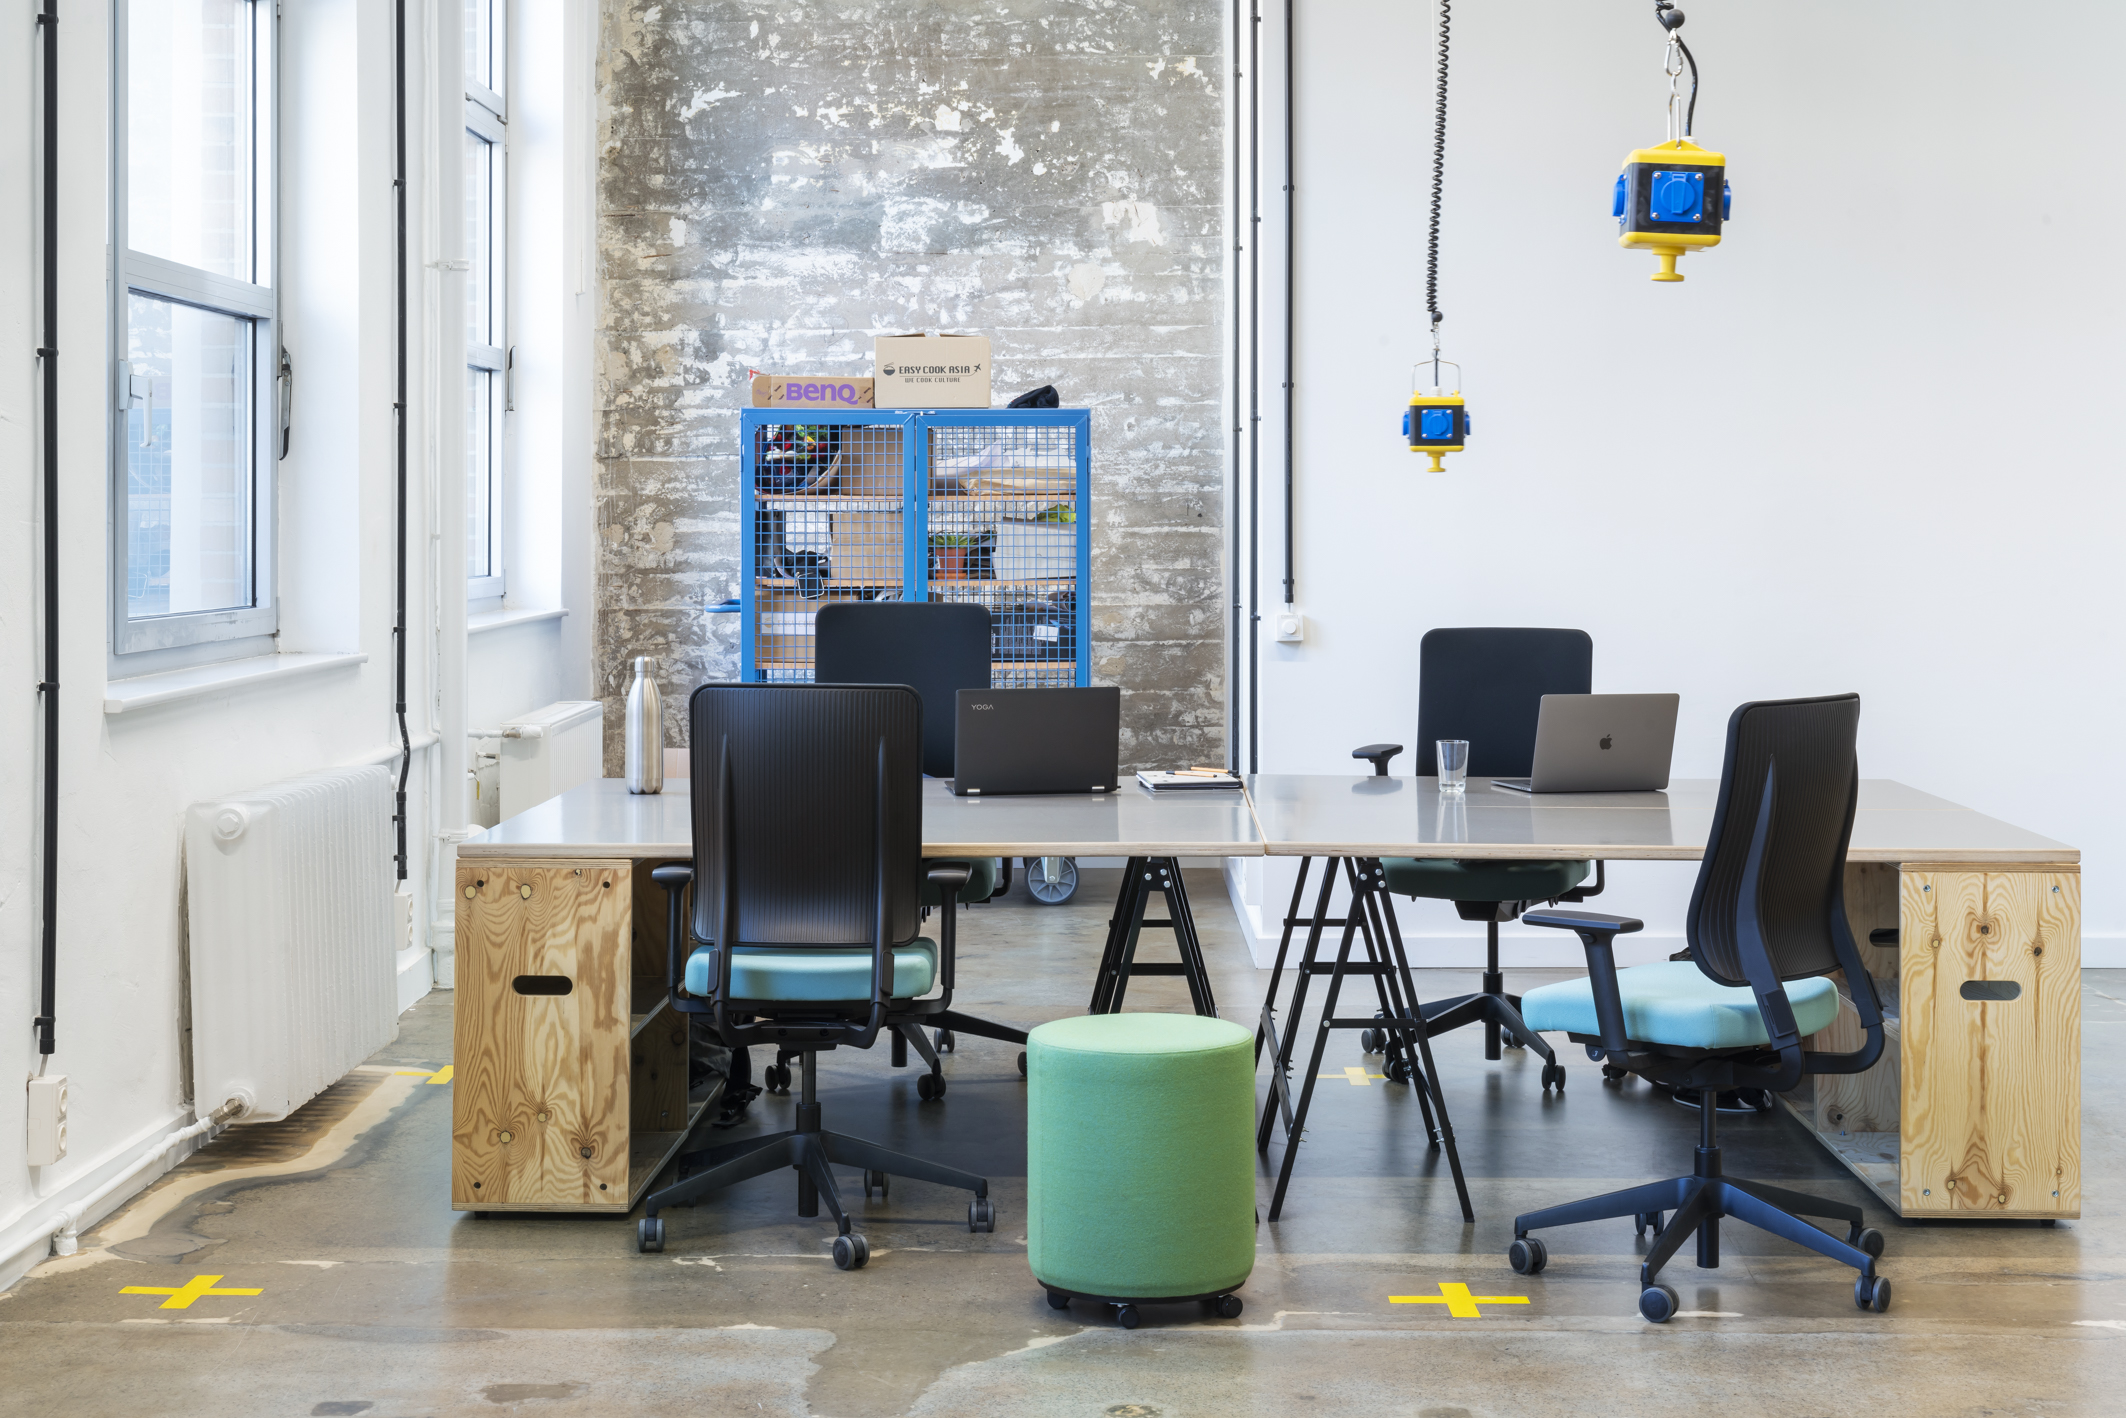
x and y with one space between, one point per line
1804 752
1486 685
935 647
786 791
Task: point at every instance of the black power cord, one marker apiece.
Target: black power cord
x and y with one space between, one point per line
1439 164
1671 20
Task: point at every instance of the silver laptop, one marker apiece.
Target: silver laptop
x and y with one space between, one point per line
1600 743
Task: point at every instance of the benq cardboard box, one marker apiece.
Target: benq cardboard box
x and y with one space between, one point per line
932 371
810 391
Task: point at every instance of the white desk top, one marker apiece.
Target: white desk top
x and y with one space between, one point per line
603 819
1324 815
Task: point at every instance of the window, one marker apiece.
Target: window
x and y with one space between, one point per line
486 304
195 322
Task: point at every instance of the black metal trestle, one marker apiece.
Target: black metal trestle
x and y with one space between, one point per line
1401 1019
1143 877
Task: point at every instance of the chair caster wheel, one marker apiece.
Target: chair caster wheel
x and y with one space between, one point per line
943 1041
1658 1304
649 1235
1508 1041
1612 1074
1226 1307
1022 1063
1868 1239
981 1214
777 1077
930 1087
1872 1292
1527 1255
1370 1041
1646 1221
876 1179
1127 1316
1057 1300
851 1252
1554 1076
1397 1070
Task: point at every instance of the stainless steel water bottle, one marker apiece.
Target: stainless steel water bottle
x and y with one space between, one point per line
645 732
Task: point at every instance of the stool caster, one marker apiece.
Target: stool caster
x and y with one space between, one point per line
649 1235
1226 1307
930 1086
1022 1063
851 1252
1612 1074
1057 1300
875 1179
1127 1316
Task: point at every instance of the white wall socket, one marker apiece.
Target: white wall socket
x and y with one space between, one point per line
1291 625
47 1120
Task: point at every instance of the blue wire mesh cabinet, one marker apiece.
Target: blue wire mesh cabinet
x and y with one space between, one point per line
984 505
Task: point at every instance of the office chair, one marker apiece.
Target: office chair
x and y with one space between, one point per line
808 833
937 648
1767 926
1487 686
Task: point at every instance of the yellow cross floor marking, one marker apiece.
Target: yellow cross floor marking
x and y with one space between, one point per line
1459 1302
441 1075
1357 1077
182 1297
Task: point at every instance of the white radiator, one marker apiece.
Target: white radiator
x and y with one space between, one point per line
289 903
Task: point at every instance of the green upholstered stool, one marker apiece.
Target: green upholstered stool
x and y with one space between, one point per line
1140 1164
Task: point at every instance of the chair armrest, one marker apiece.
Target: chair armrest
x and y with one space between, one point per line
950 880
675 878
1583 921
1378 755
1883 936
1598 935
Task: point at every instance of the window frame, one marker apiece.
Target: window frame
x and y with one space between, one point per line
487 118
160 278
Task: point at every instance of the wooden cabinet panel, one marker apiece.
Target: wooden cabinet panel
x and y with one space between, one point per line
541 1105
1990 980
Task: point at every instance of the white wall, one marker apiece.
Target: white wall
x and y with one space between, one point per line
1866 445
127 779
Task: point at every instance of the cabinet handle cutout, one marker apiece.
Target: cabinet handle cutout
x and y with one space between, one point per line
1991 991
562 984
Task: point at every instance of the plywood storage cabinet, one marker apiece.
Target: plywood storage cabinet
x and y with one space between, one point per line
570 1071
1975 1108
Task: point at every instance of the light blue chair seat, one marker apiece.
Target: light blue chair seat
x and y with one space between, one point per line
767 972
1671 1002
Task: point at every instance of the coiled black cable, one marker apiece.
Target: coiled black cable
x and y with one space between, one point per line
1439 163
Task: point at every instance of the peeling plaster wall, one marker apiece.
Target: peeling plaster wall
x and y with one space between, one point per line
778 183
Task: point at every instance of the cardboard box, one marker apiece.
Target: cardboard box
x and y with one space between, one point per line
921 371
811 391
867 549
1036 551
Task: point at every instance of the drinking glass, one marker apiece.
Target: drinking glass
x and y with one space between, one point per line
1453 757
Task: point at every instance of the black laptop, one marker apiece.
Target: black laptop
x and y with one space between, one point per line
1036 741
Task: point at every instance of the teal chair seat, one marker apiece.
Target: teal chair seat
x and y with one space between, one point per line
1444 879
804 973
1672 1003
983 874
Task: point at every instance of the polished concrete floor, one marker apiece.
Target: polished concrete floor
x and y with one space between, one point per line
374 1297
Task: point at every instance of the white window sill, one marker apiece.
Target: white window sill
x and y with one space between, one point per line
144 691
501 619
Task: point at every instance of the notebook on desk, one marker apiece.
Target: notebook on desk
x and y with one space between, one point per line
1600 743
1036 741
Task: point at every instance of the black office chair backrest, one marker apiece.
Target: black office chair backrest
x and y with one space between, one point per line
1485 685
1806 749
786 784
935 647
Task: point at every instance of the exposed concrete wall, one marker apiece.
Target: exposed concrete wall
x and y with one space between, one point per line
778 183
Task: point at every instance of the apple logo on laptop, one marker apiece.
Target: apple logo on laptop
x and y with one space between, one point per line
1605 740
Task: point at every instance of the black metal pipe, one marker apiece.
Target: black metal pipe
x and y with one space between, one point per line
398 407
1254 382
1291 245
48 356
